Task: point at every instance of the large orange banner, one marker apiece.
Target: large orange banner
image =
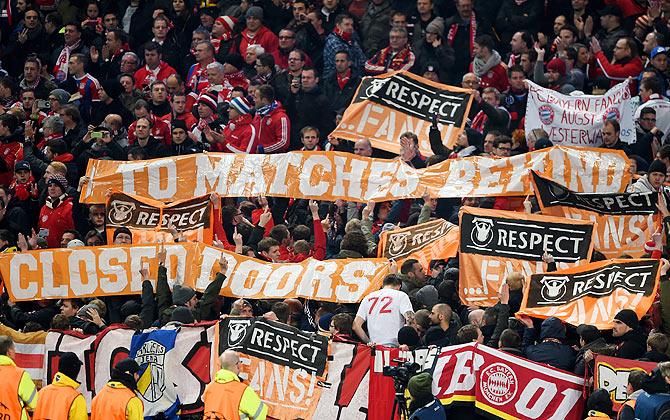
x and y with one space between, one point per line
433 240
149 220
386 106
624 221
593 293
115 270
495 243
333 175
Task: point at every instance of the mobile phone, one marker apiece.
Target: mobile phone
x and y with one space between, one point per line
43 104
96 135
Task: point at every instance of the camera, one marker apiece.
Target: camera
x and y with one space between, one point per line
96 135
402 373
43 104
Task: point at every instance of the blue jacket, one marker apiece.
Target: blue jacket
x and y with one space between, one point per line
648 405
431 411
335 44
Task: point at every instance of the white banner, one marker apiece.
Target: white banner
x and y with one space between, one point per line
577 120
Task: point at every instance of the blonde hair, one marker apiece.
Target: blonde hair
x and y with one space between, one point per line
515 281
59 167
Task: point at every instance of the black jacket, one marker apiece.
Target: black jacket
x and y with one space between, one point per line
631 345
595 346
555 354
154 148
442 58
311 108
341 98
187 147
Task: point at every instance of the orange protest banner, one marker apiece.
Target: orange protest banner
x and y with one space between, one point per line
495 243
433 240
386 106
115 270
148 219
333 175
624 221
593 293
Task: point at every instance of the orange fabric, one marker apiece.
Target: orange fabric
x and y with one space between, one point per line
111 403
54 402
10 406
630 403
332 175
223 400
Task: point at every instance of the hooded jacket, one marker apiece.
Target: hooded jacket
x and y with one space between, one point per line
263 37
11 151
553 353
631 345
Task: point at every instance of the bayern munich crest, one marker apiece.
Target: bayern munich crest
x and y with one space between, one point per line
612 114
546 114
498 383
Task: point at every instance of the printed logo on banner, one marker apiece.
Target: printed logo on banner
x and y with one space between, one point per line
524 239
398 243
152 353
483 232
121 211
637 277
237 331
546 113
498 383
612 113
553 288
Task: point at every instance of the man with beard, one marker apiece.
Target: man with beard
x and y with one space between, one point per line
487 65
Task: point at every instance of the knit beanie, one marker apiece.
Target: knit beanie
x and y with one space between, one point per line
58 180
557 65
254 11
427 296
69 365
408 335
112 88
179 124
657 166
61 95
241 105
228 22
75 243
628 317
208 99
420 385
436 26
124 372
324 321
181 294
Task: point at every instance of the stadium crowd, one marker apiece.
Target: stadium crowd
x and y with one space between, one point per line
142 79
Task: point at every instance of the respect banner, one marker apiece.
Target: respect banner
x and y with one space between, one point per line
495 243
386 106
283 364
148 219
593 293
433 240
62 273
624 221
277 342
578 120
611 373
333 175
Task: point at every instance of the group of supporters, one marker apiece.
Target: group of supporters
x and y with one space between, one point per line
143 79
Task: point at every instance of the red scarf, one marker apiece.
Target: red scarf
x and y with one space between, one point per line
473 33
346 36
60 69
479 121
343 79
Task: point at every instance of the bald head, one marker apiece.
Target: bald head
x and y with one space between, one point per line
444 310
476 317
230 360
114 121
363 148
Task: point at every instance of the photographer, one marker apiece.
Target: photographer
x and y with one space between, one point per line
423 404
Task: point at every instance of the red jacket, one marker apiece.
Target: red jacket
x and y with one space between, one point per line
188 118
273 130
160 129
617 72
496 77
263 37
10 152
53 222
319 248
144 77
281 59
240 136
